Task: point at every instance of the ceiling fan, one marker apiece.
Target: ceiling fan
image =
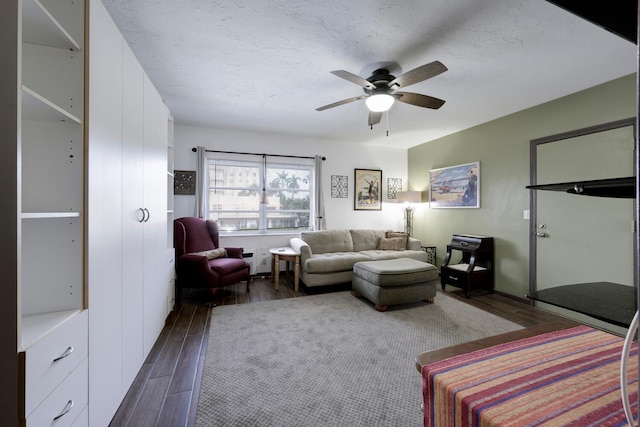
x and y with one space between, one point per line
381 89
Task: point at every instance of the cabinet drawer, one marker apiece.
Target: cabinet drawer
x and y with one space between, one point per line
453 276
42 372
67 401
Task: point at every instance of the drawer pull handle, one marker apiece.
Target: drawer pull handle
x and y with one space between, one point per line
66 353
453 278
64 412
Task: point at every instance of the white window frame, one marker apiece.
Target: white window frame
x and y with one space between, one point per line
262 161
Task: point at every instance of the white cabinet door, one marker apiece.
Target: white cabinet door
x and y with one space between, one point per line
104 219
133 216
156 117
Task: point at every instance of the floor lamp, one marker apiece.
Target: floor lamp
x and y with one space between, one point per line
409 198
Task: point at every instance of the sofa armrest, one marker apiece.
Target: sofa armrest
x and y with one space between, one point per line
300 246
414 244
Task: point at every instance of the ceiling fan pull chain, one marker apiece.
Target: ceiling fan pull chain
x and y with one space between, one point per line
387 123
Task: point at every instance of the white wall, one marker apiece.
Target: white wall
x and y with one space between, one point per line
342 159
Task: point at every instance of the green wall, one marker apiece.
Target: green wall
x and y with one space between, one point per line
502 148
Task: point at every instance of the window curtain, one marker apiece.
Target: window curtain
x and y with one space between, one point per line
200 187
321 223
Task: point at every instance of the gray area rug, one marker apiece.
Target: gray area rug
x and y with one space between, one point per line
328 360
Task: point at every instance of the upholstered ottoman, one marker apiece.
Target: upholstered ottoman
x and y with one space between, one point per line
394 281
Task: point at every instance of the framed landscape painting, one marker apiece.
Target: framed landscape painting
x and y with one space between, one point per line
455 186
368 190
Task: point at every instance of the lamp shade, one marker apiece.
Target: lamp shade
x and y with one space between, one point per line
379 102
409 196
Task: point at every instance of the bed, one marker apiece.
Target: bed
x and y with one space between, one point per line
559 373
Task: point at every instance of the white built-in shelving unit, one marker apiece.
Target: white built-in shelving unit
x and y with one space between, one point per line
52 163
52 325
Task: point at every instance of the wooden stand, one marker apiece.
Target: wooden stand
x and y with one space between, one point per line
475 269
288 255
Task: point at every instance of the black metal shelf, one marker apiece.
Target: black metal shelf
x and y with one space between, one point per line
610 302
624 188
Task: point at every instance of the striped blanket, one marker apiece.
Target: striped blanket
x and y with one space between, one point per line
562 378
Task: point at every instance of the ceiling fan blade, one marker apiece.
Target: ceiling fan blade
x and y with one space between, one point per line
353 78
337 104
374 117
419 100
419 74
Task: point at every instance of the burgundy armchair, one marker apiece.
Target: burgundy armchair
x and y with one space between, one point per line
199 264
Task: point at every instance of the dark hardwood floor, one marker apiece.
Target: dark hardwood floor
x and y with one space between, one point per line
166 390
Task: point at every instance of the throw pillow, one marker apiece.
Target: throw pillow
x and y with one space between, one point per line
391 244
405 237
213 253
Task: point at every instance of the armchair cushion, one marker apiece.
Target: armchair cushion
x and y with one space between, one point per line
226 266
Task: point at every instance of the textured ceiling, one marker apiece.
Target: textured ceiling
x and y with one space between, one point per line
265 66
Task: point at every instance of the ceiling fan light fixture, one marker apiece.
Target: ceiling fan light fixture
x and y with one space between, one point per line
379 102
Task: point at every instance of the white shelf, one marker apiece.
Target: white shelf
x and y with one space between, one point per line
39 26
40 215
37 326
37 107
54 75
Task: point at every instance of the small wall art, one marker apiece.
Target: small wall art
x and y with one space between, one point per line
184 183
339 186
455 186
393 186
368 190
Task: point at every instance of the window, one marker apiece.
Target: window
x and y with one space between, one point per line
273 196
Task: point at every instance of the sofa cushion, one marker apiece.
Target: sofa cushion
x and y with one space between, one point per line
366 239
326 241
378 254
332 262
391 244
405 237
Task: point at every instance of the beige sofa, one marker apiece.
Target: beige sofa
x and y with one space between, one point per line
327 257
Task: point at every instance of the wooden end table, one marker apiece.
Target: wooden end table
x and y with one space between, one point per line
284 254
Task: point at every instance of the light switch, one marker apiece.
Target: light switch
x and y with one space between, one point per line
526 214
